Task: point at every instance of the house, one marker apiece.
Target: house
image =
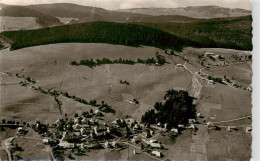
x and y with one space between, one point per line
154 143
249 89
21 129
83 131
84 120
107 145
86 126
181 126
157 153
110 145
231 128
159 124
136 139
137 127
100 131
93 121
45 141
66 144
76 126
174 131
98 113
129 121
199 115
248 129
210 124
178 66
118 122
192 121
211 82
191 127
114 144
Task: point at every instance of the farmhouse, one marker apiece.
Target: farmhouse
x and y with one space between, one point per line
192 121
231 128
174 131
136 139
157 153
181 126
153 143
178 66
66 144
248 129
45 141
98 113
199 115
129 121
211 82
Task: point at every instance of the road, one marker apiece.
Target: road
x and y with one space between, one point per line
242 118
5 145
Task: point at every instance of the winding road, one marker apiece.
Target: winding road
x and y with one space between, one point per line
5 145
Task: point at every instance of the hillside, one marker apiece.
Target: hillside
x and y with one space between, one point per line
21 11
96 32
88 14
234 33
192 11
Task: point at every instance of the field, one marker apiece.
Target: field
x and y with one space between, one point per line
18 23
218 102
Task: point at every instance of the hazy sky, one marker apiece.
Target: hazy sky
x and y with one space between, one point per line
123 4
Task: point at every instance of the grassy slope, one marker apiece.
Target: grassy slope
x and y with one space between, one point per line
235 33
97 32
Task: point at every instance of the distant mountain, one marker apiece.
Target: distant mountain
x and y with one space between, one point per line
88 14
194 11
47 15
21 11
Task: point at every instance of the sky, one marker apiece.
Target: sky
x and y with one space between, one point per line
124 4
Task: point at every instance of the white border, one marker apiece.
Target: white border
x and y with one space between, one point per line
256 82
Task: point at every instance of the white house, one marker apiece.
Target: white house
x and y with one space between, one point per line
248 129
192 121
181 126
174 130
45 141
199 115
157 153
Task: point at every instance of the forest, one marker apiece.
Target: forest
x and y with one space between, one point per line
96 32
232 33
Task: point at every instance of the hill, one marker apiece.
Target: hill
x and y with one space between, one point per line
88 14
234 33
192 11
96 32
21 11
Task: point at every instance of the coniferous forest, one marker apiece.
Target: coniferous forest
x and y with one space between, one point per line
96 32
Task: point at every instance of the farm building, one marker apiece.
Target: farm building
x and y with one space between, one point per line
157 153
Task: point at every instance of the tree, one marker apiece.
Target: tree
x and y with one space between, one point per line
177 109
142 147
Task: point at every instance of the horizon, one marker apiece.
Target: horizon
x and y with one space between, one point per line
135 4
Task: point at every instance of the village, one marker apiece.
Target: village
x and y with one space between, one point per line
88 131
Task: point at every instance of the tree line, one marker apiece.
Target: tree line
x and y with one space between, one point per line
158 60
